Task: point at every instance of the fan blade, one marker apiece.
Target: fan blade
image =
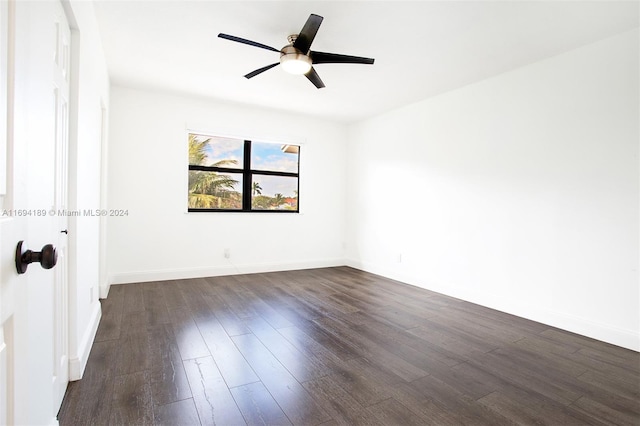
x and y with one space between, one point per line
313 77
261 70
245 41
334 58
308 33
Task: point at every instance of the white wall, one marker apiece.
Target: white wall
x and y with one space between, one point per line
519 192
90 94
148 177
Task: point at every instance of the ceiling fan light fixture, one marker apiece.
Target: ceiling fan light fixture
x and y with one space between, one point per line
294 62
295 57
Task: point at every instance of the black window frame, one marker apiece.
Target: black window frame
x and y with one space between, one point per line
247 178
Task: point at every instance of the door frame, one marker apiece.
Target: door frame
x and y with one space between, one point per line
80 338
74 341
61 83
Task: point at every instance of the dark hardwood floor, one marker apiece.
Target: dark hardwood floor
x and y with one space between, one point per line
338 346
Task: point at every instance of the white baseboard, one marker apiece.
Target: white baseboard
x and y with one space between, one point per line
186 273
103 290
79 362
583 326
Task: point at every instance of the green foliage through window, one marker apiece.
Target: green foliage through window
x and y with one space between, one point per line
228 174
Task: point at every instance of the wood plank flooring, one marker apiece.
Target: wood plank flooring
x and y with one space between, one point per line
338 346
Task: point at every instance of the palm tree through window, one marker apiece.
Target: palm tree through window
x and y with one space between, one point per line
227 174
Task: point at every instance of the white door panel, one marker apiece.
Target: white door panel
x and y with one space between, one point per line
33 306
10 227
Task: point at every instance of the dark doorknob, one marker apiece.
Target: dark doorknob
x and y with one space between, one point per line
47 257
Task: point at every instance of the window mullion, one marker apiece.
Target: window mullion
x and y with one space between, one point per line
246 177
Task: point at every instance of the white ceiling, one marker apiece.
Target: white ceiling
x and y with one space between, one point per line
421 48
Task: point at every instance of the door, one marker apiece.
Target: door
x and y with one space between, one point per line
34 65
11 227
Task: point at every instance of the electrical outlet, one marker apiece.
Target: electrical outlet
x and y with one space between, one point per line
227 253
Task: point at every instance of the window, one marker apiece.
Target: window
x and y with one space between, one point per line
227 174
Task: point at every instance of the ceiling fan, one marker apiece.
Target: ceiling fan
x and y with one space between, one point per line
297 58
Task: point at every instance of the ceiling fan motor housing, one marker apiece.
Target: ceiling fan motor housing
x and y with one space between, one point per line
294 61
